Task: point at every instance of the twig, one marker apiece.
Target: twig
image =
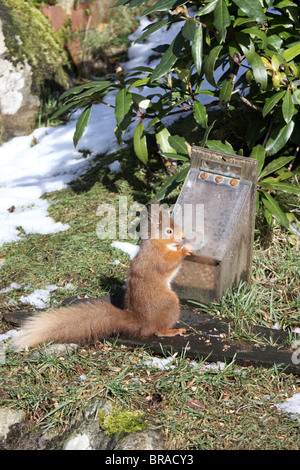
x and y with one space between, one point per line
107 104
268 132
251 105
293 161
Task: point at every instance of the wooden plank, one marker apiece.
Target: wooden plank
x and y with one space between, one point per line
207 338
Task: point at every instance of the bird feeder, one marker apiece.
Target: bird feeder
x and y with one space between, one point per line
216 208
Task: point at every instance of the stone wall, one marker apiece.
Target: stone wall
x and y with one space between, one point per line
87 15
29 54
18 105
31 51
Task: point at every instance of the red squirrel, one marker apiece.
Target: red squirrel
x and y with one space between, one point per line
151 307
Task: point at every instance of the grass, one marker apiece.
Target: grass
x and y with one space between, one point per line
228 409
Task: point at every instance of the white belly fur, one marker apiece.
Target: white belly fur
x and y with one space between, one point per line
172 277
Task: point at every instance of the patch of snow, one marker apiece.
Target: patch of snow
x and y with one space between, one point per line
12 286
115 167
166 363
291 406
40 298
161 363
9 334
126 247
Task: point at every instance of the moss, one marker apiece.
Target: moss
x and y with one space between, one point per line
121 421
29 36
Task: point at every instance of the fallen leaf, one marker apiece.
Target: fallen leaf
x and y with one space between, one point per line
195 404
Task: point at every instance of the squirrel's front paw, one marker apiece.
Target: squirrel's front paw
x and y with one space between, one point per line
188 249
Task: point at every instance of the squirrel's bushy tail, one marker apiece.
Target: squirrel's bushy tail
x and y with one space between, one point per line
78 323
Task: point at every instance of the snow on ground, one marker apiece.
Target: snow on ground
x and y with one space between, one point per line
291 406
27 171
40 298
5 336
126 247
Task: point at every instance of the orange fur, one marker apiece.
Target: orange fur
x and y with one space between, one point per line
151 307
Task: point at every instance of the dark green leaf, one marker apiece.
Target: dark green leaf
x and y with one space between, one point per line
291 52
288 107
206 134
81 124
253 9
200 114
153 122
221 18
276 142
197 47
274 208
90 95
140 142
64 109
225 93
220 147
179 144
282 174
135 3
209 65
169 58
141 101
269 218
162 5
97 85
207 9
257 32
171 184
240 20
141 82
278 186
189 29
246 45
259 71
259 153
275 165
184 76
162 139
275 41
123 108
151 29
175 156
271 102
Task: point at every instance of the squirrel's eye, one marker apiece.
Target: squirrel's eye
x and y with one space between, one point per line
169 230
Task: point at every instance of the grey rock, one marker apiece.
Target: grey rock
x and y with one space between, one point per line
58 349
9 417
84 433
148 439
